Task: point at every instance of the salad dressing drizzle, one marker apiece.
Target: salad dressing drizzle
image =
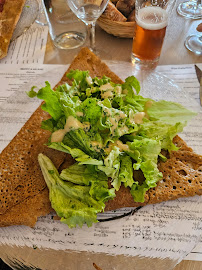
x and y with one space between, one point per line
71 123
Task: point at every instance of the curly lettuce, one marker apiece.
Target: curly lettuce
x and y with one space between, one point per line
111 131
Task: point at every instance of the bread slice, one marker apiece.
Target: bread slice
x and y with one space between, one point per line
10 12
131 16
125 6
113 14
24 195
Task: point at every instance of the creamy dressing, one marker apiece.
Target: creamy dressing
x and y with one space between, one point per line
118 89
106 90
115 120
71 123
106 87
106 110
134 133
89 80
114 123
122 115
123 130
79 114
107 94
148 104
96 145
138 117
58 135
125 91
122 147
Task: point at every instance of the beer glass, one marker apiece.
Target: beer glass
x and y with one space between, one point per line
151 22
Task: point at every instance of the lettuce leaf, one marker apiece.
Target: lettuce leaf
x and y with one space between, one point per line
114 133
76 153
111 167
76 204
145 153
126 171
51 105
169 112
131 84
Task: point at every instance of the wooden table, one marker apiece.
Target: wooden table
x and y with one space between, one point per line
119 49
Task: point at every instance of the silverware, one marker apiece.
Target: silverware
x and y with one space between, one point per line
199 76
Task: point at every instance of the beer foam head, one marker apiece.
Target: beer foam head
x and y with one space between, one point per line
152 18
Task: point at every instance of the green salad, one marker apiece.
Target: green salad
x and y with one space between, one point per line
110 131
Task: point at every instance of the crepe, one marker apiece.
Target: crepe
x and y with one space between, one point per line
24 195
10 11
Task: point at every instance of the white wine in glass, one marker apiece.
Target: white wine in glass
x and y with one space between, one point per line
88 11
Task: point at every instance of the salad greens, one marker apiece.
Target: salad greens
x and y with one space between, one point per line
110 131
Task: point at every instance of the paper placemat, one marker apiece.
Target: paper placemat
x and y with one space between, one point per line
167 230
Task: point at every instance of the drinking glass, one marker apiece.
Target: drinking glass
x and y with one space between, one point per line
41 18
65 29
194 43
151 22
190 9
88 11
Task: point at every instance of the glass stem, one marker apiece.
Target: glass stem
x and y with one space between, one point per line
91 34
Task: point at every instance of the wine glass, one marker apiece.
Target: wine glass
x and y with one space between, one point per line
190 9
194 42
88 11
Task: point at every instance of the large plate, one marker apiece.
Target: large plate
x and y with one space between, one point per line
62 248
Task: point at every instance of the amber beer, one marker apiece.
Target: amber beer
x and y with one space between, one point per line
149 34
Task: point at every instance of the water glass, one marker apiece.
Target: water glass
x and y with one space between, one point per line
65 29
194 43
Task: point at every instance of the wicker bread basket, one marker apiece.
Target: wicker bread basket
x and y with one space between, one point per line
118 29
